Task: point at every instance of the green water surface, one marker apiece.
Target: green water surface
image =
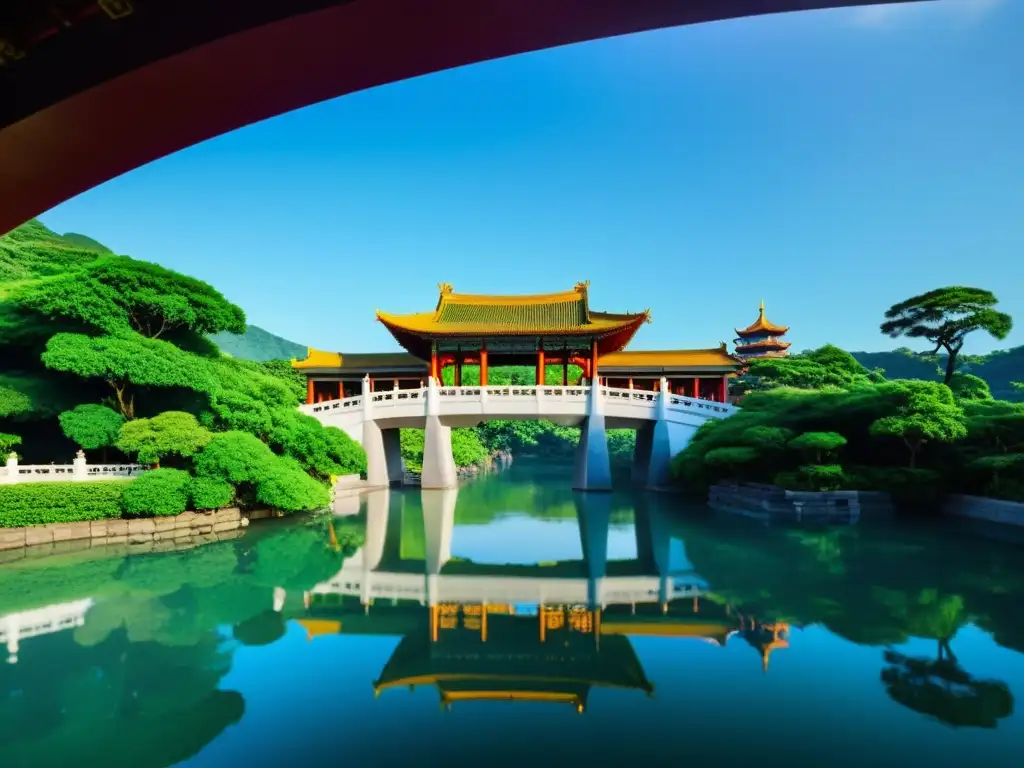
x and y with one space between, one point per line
516 623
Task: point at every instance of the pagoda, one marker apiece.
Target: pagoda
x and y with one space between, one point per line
761 339
510 330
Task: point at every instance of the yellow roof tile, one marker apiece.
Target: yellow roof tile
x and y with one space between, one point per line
670 358
762 325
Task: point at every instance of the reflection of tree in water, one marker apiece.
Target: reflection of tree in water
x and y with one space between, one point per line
138 683
941 689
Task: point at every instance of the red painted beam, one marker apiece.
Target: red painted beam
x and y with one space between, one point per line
158 109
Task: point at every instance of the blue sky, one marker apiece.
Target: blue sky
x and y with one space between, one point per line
831 163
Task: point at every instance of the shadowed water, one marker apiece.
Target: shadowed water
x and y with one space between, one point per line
515 622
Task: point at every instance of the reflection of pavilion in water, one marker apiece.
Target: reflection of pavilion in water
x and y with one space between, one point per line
15 627
520 632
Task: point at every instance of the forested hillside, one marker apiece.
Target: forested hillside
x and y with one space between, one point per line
258 345
998 369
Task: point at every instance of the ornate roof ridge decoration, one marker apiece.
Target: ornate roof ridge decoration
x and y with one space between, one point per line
762 325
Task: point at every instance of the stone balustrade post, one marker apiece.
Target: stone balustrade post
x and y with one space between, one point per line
78 467
12 468
367 399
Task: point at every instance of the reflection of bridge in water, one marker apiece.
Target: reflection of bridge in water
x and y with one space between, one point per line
541 632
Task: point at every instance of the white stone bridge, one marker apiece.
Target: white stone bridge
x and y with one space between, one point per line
664 423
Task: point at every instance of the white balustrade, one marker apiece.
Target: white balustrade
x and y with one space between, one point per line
547 398
78 471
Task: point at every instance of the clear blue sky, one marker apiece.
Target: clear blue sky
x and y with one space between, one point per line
831 163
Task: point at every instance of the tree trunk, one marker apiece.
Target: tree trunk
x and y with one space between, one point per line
950 364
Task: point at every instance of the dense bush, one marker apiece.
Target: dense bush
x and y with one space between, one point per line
210 493
171 433
39 503
322 451
283 485
159 493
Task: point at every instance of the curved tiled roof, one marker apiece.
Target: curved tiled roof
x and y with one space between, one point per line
762 325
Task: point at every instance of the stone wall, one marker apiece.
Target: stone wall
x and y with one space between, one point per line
157 534
983 508
771 502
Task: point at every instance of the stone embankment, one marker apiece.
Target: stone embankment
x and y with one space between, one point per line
151 534
982 508
773 503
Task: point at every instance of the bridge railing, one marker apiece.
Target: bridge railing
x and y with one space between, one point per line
14 472
636 397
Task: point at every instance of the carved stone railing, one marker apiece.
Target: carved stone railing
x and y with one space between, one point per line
553 394
13 472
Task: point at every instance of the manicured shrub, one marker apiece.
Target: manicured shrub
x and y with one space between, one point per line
40 503
171 433
211 493
285 486
91 426
160 493
237 457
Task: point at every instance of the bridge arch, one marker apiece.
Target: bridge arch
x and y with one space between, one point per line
113 84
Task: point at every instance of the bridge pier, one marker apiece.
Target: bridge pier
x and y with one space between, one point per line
593 471
639 475
384 464
667 438
438 462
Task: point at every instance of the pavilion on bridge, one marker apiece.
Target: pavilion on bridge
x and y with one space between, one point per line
543 331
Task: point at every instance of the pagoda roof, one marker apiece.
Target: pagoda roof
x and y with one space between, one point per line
478 315
717 358
762 325
765 344
358 362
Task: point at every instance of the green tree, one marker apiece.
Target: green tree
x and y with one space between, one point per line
322 451
127 363
929 415
828 366
945 317
967 386
818 444
171 433
91 426
210 493
116 293
7 443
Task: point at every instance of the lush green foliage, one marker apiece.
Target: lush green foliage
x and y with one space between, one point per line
158 493
95 339
115 294
39 503
91 426
7 442
211 493
944 317
171 433
916 439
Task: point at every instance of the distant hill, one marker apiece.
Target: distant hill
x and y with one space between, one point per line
33 250
84 241
999 369
259 345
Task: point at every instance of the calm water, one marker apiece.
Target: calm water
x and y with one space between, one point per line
451 629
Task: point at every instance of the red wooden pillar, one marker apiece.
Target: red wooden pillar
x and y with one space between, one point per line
435 372
723 390
630 382
593 363
309 391
341 390
540 367
696 387
483 364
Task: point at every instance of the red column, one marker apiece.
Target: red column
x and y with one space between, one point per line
593 362
435 374
483 364
723 390
341 390
696 387
540 367
309 391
